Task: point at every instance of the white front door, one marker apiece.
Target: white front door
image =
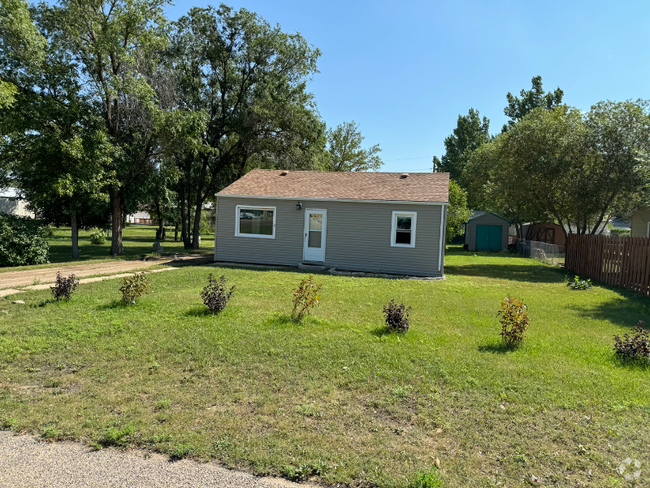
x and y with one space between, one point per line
315 230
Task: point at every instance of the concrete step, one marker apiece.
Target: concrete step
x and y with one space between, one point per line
309 266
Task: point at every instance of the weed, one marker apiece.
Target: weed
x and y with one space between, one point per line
309 411
117 437
158 438
426 479
64 287
514 321
402 392
304 471
520 459
50 432
578 284
97 237
216 296
162 404
397 316
7 423
305 298
182 451
222 444
134 287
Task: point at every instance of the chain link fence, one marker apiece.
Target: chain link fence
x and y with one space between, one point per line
541 251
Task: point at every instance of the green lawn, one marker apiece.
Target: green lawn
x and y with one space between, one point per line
138 242
336 398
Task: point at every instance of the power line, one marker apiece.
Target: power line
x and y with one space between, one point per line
405 159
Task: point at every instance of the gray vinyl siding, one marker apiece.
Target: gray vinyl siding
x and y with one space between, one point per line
358 236
486 219
639 223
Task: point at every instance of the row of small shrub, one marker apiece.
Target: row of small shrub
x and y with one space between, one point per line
513 314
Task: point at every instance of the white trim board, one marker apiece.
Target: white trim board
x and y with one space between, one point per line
253 207
343 200
443 237
393 228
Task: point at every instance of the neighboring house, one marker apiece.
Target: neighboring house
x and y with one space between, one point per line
640 223
486 231
15 206
375 222
140 217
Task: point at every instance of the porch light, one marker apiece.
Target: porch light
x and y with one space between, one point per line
299 206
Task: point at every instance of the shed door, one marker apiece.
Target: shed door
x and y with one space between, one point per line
488 237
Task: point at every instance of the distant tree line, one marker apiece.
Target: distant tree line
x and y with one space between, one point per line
552 162
108 106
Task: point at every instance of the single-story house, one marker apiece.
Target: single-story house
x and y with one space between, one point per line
373 222
640 223
486 231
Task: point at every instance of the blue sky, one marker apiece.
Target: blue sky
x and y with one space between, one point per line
405 70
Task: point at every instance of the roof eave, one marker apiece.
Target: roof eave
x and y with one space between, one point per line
345 200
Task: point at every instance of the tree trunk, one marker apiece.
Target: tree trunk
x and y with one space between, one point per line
75 236
117 221
196 227
176 233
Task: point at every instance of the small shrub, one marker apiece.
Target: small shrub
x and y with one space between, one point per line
216 295
426 479
21 242
47 232
97 237
64 287
633 347
305 298
134 287
514 321
615 232
578 284
397 316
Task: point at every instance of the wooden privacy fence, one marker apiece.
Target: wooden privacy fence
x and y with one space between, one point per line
619 261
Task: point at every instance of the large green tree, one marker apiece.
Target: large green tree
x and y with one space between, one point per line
576 169
250 80
470 133
528 100
54 142
20 37
117 44
346 151
457 212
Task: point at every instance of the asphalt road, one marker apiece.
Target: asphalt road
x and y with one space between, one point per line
26 462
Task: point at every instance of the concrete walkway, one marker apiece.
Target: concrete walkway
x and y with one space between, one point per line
26 462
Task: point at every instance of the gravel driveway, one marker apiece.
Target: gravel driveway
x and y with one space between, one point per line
10 279
26 462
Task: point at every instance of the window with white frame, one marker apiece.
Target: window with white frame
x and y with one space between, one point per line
403 229
255 221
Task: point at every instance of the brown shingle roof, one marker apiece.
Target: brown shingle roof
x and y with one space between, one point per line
416 187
